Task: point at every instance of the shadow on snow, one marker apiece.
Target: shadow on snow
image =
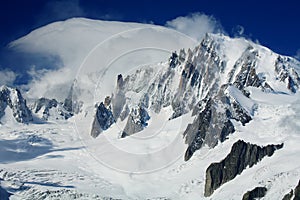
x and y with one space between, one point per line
28 148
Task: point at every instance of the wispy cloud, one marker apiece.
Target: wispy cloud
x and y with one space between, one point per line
238 31
7 77
64 9
59 10
297 54
195 25
42 84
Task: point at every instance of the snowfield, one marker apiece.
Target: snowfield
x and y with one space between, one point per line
59 159
49 157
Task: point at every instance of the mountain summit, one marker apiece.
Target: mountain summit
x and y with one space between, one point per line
139 111
211 81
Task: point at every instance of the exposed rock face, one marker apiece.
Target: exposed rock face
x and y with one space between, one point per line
71 104
136 122
247 75
104 118
257 192
45 102
51 107
119 100
297 192
286 73
209 125
201 81
241 156
12 98
213 122
288 196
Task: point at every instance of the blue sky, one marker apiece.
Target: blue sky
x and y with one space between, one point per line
274 24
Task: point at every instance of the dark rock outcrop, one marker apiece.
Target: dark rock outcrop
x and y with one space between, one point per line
288 196
213 122
46 105
247 76
297 192
71 104
136 122
241 156
257 192
173 60
12 98
198 80
119 99
209 127
287 74
104 118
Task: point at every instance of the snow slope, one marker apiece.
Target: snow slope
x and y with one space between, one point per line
60 160
30 155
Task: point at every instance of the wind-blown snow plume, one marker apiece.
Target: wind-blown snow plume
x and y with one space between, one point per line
7 77
195 25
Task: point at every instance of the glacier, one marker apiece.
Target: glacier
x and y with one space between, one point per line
144 119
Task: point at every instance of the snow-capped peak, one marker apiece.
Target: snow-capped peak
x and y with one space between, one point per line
12 99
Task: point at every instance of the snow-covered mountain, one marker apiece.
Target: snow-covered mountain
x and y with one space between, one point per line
13 106
206 81
212 120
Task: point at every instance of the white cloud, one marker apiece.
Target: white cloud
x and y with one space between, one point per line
195 25
49 83
7 77
71 42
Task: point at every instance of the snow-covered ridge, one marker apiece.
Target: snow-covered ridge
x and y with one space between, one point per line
222 91
204 80
12 100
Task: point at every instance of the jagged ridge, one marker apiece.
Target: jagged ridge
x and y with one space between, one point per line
241 156
12 97
202 81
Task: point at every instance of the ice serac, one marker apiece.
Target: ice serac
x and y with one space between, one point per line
241 156
103 119
257 192
12 98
